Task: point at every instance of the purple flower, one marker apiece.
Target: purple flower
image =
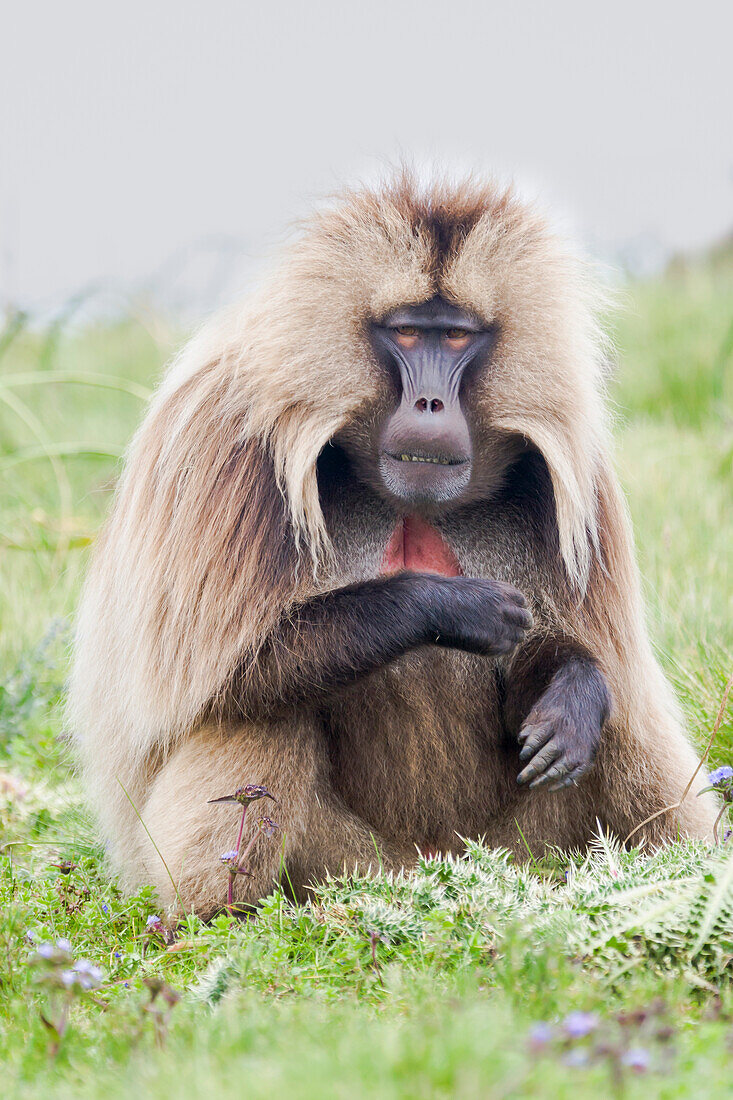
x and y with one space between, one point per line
86 966
253 791
54 954
638 1059
721 780
105 908
540 1035
83 975
153 921
229 857
117 955
268 826
579 1024
244 795
87 974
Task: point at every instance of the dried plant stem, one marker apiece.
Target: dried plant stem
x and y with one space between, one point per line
232 875
249 848
717 822
241 828
703 758
240 861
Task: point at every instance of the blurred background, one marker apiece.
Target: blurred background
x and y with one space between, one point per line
161 149
155 155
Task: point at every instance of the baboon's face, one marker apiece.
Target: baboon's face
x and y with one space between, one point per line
424 447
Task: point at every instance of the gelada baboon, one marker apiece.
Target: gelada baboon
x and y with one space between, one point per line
368 550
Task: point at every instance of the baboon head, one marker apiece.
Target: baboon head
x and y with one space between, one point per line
421 447
424 337
470 343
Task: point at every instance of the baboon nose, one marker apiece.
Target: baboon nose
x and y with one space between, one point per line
433 405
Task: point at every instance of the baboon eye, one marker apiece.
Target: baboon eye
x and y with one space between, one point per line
406 334
457 334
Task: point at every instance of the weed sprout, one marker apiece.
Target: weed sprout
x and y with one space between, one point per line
65 978
235 859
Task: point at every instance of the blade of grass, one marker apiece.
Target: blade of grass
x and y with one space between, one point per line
32 422
157 849
81 378
30 454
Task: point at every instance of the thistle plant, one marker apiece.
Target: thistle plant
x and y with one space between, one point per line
667 910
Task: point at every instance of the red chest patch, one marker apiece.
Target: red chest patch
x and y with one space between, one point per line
415 544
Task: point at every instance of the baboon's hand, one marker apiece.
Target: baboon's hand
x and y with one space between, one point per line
478 616
559 744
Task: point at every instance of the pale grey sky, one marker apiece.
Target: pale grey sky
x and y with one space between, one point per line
131 131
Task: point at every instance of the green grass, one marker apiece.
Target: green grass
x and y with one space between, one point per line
428 985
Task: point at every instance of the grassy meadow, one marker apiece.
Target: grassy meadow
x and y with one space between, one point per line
605 975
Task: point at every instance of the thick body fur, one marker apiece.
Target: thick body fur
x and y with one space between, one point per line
234 627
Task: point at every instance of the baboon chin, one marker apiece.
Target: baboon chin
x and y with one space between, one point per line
368 551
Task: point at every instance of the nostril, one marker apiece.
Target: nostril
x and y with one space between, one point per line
423 405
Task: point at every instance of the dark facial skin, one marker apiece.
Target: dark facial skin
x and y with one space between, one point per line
425 448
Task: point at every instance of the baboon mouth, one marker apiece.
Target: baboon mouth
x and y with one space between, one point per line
415 476
417 456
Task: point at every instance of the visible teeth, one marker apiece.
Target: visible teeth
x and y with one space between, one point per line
422 458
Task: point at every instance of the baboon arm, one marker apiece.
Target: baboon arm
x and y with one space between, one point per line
331 641
338 637
557 701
